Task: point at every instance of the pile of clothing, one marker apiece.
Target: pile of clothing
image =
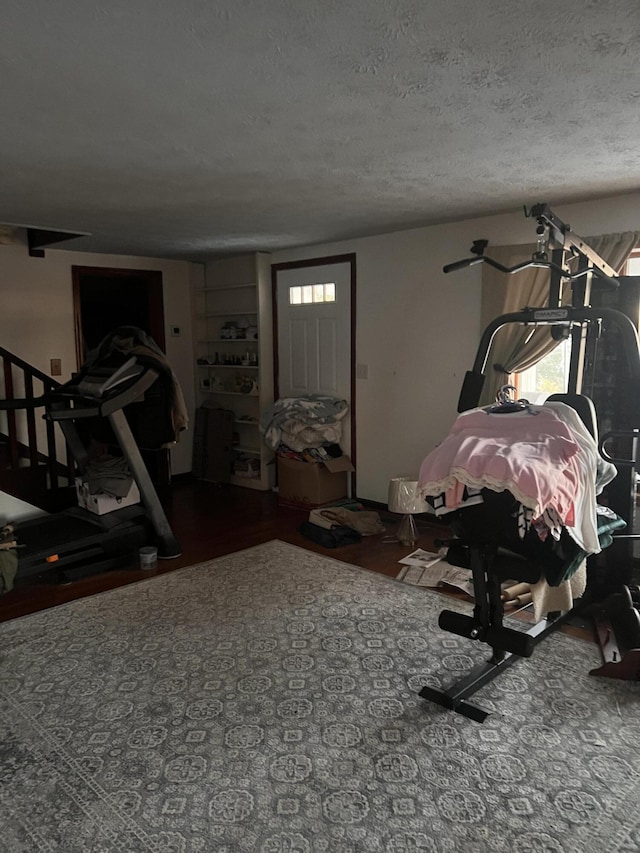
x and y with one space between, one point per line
545 457
300 423
108 475
311 454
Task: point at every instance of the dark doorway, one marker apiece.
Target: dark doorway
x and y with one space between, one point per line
105 298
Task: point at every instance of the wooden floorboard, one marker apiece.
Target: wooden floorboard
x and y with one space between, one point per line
211 521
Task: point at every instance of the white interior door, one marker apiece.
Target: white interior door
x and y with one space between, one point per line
314 334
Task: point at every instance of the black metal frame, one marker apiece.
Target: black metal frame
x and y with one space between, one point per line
94 396
486 624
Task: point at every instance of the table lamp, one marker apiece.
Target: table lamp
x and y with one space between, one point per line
404 499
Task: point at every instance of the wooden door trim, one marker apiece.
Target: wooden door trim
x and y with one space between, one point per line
327 260
156 303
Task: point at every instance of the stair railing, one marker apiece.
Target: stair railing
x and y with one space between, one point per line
18 428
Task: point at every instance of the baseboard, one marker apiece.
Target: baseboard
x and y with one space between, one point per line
422 518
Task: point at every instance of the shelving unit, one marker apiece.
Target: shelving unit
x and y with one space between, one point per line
233 318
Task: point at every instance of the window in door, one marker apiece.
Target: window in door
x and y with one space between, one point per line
310 294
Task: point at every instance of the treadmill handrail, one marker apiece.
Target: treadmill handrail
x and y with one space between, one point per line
99 382
59 402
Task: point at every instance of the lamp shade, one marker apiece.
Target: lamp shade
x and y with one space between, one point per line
403 497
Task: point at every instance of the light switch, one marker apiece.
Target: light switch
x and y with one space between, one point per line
56 367
362 371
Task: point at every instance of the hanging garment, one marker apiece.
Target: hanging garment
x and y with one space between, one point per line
595 474
530 453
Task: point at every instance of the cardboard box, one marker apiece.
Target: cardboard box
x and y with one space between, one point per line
309 484
100 504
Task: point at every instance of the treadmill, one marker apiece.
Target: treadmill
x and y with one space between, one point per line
76 542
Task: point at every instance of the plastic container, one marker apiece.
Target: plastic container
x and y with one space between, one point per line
148 557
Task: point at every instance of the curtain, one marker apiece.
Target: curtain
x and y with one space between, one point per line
516 348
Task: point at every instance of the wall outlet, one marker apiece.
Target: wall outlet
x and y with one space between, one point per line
56 367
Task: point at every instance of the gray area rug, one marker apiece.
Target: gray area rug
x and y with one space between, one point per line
267 701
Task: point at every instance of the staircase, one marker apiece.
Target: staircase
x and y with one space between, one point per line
32 467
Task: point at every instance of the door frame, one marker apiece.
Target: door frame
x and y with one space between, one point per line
328 260
153 279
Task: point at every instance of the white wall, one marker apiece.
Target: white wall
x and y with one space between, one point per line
36 314
418 329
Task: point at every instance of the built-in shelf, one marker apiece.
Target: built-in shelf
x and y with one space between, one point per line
237 289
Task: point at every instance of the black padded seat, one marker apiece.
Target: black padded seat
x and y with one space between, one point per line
583 406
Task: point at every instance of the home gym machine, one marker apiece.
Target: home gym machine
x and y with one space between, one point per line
573 265
76 542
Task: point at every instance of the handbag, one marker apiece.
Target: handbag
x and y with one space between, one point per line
333 537
366 523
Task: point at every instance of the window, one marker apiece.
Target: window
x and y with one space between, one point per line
633 264
309 294
551 374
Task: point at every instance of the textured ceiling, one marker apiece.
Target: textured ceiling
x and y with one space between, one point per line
201 127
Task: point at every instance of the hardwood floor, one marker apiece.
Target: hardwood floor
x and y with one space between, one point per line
210 521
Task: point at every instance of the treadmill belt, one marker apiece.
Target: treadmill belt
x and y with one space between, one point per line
54 532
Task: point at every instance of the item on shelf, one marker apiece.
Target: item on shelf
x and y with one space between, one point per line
247 385
231 330
235 302
246 467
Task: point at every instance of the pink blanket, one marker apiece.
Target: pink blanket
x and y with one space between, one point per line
530 453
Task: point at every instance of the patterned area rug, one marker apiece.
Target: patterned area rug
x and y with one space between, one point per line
267 701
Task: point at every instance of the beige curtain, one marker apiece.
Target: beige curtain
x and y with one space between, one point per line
516 348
